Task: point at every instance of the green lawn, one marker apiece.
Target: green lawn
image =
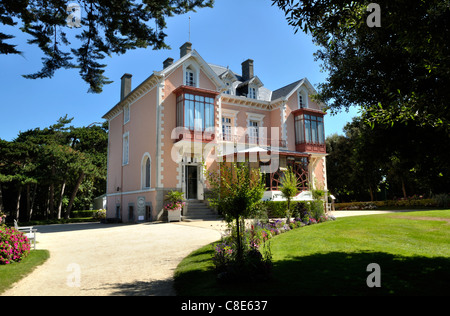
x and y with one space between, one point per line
412 250
11 273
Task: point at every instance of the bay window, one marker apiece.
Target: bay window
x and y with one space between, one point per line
309 131
195 109
198 113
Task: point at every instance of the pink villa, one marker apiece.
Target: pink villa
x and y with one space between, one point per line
174 127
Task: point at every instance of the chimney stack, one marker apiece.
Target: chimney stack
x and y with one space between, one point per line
167 62
125 87
247 70
185 49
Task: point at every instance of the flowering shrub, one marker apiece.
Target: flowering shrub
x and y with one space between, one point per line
257 261
14 245
99 215
174 206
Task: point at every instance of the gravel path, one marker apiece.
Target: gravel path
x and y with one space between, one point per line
100 259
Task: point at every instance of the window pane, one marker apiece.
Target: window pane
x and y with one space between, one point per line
314 131
321 132
147 173
191 115
307 130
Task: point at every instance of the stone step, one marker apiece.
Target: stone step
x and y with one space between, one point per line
198 211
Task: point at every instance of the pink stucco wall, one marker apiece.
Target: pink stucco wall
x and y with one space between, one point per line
143 129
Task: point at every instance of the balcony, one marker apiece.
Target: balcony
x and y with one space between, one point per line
254 140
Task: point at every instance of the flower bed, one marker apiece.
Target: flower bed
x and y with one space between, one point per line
257 262
14 245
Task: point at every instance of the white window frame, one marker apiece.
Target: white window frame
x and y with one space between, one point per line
302 95
191 68
227 129
253 92
126 149
232 114
259 119
146 157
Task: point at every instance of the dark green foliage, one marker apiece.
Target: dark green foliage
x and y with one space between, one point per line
106 28
397 72
43 171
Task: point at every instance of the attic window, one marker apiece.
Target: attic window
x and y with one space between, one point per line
252 92
302 99
190 74
190 81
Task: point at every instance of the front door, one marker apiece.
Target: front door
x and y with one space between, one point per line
191 182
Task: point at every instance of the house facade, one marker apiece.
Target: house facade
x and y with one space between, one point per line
174 127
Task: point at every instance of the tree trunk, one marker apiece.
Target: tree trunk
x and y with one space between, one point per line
63 187
74 193
371 193
19 195
404 189
33 198
51 200
238 238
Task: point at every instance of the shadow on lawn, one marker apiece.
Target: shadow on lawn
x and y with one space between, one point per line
339 273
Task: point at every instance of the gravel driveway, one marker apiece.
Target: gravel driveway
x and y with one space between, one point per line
101 259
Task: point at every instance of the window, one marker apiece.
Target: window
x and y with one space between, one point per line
253 132
226 128
146 171
252 93
126 148
191 76
309 129
126 114
229 88
302 99
195 112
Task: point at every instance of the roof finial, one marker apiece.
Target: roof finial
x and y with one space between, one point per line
189 29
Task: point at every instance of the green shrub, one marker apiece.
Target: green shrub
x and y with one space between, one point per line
317 209
82 214
442 200
413 203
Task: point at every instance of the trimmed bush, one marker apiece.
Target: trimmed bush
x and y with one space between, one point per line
413 203
14 245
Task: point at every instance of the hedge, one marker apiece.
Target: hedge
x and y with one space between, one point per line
422 203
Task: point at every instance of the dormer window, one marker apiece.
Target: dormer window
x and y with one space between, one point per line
252 93
302 99
191 73
190 77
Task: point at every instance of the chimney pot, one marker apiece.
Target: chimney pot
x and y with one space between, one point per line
125 87
185 49
167 62
247 69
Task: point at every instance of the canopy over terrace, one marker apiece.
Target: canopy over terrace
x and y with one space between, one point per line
273 163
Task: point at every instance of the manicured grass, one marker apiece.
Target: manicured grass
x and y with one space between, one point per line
412 250
11 273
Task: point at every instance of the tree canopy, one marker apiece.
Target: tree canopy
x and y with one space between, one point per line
51 166
105 28
396 72
386 162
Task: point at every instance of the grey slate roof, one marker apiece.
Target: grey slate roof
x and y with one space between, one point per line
264 93
285 90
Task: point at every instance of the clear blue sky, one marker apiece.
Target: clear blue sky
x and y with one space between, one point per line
228 34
